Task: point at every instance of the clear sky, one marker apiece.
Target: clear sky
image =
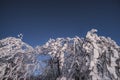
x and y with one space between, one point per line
39 20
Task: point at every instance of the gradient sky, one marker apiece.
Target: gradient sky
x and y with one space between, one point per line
39 20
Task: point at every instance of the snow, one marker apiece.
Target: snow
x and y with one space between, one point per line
89 58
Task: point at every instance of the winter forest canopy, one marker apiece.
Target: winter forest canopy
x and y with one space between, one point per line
91 58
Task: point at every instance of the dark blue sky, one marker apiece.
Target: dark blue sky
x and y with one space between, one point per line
39 20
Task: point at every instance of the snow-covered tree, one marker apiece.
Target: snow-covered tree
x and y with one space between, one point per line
91 58
17 59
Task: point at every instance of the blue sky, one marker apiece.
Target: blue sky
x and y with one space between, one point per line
39 20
